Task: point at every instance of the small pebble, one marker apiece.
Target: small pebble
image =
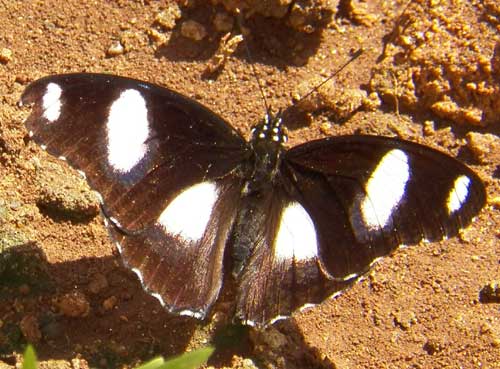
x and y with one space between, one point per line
325 127
372 102
158 37
115 49
169 16
484 146
429 129
30 328
495 202
24 289
490 293
223 22
109 303
98 283
5 55
73 304
193 30
433 346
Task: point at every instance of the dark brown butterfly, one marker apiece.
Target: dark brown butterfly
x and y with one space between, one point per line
188 199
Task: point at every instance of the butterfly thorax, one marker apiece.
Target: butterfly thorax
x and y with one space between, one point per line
267 142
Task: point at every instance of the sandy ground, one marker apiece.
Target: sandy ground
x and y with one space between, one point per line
430 73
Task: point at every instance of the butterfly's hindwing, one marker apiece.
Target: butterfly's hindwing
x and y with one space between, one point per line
368 195
283 271
179 258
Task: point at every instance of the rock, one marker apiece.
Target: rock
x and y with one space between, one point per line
5 55
484 147
168 18
223 22
66 195
490 293
404 319
109 303
341 101
98 283
193 30
433 346
115 49
30 328
74 304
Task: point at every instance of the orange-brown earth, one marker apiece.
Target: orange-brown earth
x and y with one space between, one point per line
429 73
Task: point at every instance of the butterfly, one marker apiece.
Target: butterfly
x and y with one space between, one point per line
191 204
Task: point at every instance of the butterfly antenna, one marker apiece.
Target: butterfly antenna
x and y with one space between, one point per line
254 70
356 55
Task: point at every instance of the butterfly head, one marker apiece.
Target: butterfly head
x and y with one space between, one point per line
270 130
268 139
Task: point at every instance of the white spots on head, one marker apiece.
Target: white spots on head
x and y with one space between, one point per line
51 102
385 189
188 214
262 135
458 194
127 130
296 237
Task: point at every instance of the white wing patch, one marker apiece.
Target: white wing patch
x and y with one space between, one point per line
385 189
458 194
128 130
188 214
296 237
51 102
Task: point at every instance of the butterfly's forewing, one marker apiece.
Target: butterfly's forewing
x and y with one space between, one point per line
367 195
162 165
138 144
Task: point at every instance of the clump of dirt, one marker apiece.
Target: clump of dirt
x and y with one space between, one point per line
436 59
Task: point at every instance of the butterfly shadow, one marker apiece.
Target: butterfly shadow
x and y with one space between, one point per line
92 306
97 308
281 344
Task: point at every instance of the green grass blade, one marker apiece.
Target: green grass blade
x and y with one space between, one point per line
189 360
155 363
29 358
